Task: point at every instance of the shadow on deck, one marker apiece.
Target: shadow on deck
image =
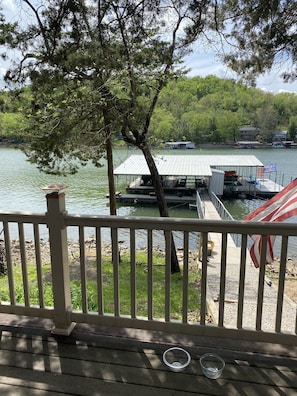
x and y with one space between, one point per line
109 361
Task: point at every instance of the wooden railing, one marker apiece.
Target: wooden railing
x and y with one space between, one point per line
222 211
72 238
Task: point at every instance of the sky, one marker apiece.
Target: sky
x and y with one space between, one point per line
204 62
201 62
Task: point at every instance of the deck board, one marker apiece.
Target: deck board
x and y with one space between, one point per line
96 361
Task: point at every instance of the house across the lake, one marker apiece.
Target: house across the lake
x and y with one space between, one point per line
248 133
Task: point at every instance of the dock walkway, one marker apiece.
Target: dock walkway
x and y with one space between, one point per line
251 286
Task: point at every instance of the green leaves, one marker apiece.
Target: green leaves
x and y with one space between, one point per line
262 34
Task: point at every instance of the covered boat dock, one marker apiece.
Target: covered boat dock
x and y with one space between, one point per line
184 175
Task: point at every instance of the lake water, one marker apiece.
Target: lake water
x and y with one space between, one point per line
21 183
21 190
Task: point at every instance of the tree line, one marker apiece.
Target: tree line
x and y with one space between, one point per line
203 110
212 110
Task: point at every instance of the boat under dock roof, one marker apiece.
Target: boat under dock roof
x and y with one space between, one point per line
186 165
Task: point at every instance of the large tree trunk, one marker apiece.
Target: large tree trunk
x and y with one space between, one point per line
161 201
111 184
108 146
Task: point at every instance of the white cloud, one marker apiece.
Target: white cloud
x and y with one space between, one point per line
9 7
203 63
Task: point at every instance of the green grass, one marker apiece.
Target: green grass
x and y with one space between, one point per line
108 290
32 284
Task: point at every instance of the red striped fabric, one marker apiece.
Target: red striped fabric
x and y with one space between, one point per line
277 209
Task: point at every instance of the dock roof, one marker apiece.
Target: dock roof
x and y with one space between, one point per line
185 165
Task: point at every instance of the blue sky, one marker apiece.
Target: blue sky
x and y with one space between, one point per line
202 62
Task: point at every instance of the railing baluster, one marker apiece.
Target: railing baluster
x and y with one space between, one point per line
168 236
204 237
83 275
24 264
281 283
64 316
9 264
261 283
150 274
115 263
241 284
100 299
185 278
223 279
38 265
133 273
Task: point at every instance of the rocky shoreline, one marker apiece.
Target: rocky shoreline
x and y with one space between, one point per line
74 250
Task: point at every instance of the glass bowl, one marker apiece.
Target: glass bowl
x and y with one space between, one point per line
177 359
212 365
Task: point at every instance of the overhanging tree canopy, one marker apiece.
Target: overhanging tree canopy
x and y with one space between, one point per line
98 68
262 34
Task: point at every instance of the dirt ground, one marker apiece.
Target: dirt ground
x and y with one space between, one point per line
272 271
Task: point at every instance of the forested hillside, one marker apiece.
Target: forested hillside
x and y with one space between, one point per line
203 110
12 119
211 109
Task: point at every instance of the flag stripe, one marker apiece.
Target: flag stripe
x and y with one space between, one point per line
279 208
273 204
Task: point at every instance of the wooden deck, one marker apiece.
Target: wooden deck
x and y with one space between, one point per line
107 361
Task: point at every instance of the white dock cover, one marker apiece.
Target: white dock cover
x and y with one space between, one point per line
185 165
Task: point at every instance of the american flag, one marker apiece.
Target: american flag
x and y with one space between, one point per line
277 209
269 168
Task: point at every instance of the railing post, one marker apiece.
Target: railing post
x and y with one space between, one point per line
56 209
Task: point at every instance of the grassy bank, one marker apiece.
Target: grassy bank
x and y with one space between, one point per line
141 275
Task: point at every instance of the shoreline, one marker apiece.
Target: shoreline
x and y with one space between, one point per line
198 146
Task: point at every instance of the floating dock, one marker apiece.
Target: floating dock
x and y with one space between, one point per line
151 199
263 188
238 176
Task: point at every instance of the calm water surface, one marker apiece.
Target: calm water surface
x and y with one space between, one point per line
21 189
21 183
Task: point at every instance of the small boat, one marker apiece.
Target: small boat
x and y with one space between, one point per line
179 145
287 143
277 145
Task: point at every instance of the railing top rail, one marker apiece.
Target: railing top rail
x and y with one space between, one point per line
159 223
23 217
181 224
